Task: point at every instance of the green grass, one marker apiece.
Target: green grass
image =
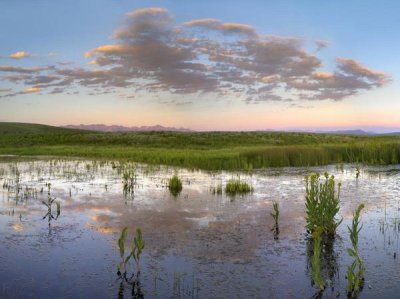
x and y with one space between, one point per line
237 186
175 185
201 150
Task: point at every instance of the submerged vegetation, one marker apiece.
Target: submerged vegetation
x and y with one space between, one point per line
316 259
355 272
175 185
202 150
237 187
275 216
322 204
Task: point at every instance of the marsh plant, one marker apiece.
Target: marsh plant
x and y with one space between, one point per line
358 171
316 259
135 252
49 205
175 185
355 272
216 190
237 186
275 216
322 204
129 180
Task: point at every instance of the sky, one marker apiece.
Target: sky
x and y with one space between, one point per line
203 65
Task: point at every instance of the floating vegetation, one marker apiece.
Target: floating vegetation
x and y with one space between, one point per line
322 204
275 216
237 186
355 272
175 185
316 259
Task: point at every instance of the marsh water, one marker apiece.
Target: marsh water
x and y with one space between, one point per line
198 244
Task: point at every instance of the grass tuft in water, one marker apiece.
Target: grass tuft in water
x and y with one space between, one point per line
216 190
237 186
355 272
129 179
175 185
322 204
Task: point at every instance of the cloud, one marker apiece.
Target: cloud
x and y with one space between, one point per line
5 89
31 90
19 55
24 70
226 28
150 53
354 68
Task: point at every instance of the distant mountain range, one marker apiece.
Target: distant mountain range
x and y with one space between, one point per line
356 132
347 132
117 128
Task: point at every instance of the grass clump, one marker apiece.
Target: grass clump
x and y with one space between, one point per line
322 204
129 179
175 185
237 186
355 272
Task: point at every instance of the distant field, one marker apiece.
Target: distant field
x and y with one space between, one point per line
204 150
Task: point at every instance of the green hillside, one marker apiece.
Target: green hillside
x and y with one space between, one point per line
11 128
204 150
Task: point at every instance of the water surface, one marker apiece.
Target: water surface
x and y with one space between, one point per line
198 245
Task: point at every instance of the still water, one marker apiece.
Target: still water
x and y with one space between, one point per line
198 244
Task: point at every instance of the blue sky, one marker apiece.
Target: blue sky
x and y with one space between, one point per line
49 32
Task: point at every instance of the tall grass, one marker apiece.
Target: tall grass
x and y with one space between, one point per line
203 150
322 204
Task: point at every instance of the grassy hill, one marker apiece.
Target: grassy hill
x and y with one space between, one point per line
206 150
10 128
